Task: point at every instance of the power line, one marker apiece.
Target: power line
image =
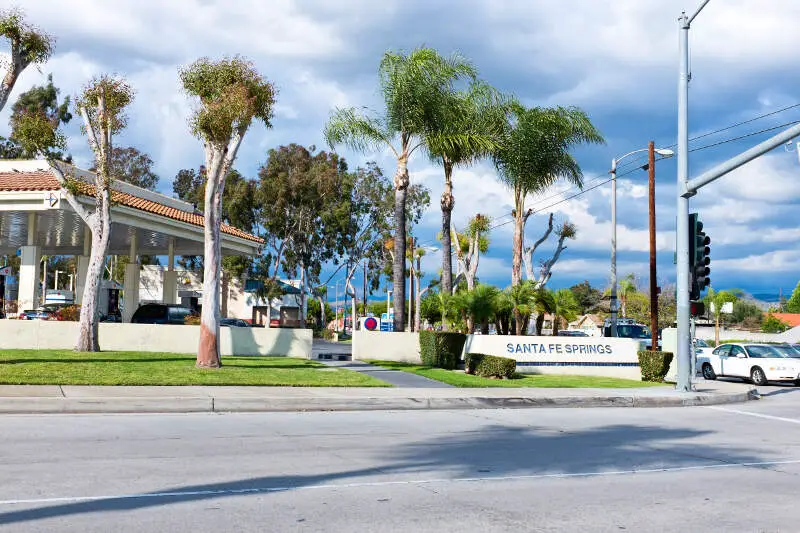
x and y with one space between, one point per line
765 130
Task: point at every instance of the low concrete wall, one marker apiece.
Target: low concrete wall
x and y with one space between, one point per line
791 335
41 334
394 346
587 356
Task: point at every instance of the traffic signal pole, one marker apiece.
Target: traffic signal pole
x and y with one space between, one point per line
683 382
688 188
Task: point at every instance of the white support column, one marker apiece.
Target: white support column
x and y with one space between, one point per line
131 286
30 256
169 293
82 265
29 289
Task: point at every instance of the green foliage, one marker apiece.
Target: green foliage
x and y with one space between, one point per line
431 308
718 298
132 166
104 99
28 42
441 349
35 134
40 100
192 320
587 297
654 365
793 304
536 144
489 366
566 308
232 93
772 324
747 314
480 304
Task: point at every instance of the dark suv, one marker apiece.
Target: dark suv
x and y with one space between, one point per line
161 314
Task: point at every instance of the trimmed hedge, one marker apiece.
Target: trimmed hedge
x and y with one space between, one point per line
654 365
489 366
441 349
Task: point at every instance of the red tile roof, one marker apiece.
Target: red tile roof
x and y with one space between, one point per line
793 319
45 181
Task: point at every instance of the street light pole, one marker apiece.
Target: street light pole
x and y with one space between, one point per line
614 247
651 163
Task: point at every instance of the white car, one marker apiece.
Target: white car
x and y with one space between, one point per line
759 363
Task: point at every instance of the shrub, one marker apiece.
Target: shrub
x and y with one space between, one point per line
654 365
490 366
192 320
70 313
441 349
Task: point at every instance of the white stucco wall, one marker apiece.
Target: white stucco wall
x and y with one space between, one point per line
39 334
394 346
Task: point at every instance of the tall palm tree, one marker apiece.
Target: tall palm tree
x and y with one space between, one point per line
473 121
627 287
415 88
522 300
566 308
534 154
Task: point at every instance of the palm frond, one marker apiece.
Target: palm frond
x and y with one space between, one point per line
356 130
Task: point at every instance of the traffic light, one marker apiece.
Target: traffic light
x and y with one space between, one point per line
699 257
697 308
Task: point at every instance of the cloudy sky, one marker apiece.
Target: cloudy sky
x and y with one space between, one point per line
617 60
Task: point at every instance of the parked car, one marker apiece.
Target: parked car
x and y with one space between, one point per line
760 363
572 333
234 323
161 314
37 314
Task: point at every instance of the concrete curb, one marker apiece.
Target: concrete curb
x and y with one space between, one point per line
43 405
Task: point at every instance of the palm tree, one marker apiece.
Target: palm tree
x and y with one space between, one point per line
566 308
415 87
544 304
470 130
459 306
481 306
503 312
718 299
534 153
522 299
627 287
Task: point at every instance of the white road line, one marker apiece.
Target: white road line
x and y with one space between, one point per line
757 415
336 486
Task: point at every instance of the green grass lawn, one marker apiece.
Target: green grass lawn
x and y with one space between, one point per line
65 367
460 379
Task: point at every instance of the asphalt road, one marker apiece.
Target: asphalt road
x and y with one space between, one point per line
727 468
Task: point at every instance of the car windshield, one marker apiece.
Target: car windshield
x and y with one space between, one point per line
761 351
633 332
701 343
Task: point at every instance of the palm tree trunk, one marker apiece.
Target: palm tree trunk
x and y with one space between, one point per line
519 223
399 266
447 204
716 330
517 322
539 323
556 322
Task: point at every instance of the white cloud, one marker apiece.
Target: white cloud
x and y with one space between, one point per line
773 262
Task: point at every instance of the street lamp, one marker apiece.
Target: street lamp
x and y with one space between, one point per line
664 153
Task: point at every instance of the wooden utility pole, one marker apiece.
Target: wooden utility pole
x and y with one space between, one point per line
653 280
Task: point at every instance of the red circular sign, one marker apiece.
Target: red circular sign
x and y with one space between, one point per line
370 324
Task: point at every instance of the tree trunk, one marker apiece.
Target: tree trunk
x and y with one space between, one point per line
556 322
321 317
485 326
399 266
208 352
15 68
517 322
516 258
447 211
716 330
539 323
88 336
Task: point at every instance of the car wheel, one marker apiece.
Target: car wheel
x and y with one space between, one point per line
757 376
708 372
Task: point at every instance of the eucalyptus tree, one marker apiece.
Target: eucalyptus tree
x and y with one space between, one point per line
29 45
534 154
102 106
565 231
473 120
415 88
231 95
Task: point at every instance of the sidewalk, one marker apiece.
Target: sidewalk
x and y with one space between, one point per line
196 399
